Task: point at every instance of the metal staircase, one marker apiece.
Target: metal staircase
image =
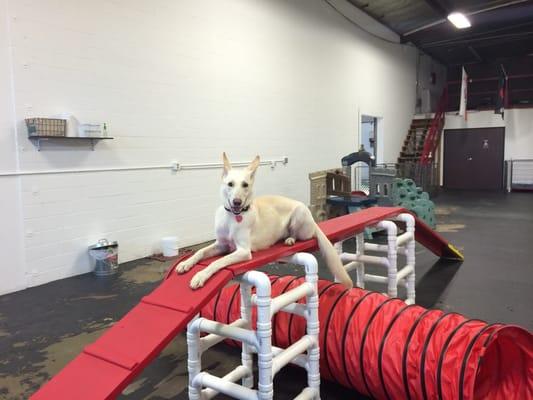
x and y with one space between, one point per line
413 144
418 158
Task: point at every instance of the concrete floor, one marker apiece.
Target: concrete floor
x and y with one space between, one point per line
42 328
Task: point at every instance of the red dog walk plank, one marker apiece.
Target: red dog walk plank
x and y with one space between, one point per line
84 378
335 229
175 293
346 226
106 367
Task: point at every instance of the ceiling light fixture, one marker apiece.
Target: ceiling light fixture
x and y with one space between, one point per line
459 20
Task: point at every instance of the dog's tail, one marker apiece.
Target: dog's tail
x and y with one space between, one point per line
332 259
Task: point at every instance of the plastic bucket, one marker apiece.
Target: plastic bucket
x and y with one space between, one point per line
169 244
105 254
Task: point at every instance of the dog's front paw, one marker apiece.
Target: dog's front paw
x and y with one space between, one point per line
290 241
199 279
184 266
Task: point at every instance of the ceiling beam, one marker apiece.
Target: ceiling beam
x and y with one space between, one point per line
378 18
474 34
475 53
431 54
440 8
495 39
442 20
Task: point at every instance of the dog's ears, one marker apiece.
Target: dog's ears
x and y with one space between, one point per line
227 164
253 165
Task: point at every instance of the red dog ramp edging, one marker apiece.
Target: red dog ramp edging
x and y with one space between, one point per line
106 367
430 239
388 350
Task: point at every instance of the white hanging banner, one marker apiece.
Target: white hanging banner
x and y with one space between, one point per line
464 94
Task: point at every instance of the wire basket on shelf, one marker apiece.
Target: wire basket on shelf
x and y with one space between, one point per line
46 127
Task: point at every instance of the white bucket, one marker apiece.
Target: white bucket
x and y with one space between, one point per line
170 246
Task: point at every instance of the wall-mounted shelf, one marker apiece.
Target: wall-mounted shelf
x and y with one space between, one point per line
93 140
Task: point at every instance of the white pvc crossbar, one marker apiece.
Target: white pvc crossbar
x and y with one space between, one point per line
233 376
363 258
222 385
376 278
292 308
270 359
403 244
297 309
405 271
299 360
227 331
383 248
212 339
291 352
404 238
290 297
384 279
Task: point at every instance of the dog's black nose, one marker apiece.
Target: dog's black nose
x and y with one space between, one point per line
237 202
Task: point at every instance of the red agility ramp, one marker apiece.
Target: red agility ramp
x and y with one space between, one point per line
388 350
106 367
434 242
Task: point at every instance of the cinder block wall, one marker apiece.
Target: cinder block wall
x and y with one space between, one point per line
176 80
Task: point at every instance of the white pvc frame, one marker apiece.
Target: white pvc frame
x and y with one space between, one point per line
403 244
305 352
270 359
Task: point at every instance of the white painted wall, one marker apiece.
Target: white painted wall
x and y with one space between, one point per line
179 81
429 92
12 265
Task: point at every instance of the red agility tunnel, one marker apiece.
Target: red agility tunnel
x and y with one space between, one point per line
388 350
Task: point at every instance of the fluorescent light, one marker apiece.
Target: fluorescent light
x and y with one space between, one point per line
459 20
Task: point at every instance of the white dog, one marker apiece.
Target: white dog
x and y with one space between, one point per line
244 224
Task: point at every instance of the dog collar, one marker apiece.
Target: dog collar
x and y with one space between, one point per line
238 216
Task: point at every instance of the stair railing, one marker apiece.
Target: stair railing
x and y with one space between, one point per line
435 130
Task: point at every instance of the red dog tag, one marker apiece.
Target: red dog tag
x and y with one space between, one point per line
238 218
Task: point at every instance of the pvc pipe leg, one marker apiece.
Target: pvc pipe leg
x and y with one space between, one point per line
410 255
246 314
360 273
313 325
194 358
360 277
265 387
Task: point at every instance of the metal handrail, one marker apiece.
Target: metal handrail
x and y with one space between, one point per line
174 166
437 124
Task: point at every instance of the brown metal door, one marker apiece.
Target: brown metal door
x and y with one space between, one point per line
474 158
